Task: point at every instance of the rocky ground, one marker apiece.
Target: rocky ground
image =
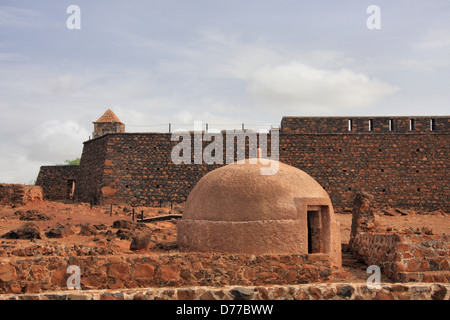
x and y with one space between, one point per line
67 229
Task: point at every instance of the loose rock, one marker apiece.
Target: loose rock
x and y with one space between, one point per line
143 240
27 231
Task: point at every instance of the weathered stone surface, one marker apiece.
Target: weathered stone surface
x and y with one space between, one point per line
87 229
32 215
344 291
167 245
27 231
58 231
143 240
119 270
297 292
18 194
8 273
439 293
125 234
124 224
363 215
405 257
242 293
144 271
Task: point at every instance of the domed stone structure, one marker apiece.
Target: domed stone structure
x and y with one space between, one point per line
236 209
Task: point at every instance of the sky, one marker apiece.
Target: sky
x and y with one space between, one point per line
220 62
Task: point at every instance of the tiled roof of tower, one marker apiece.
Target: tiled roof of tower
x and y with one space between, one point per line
108 116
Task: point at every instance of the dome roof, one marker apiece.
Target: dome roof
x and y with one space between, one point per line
239 192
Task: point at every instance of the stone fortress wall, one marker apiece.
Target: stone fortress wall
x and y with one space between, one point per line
402 161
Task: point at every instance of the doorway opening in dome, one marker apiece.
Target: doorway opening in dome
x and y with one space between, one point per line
318 224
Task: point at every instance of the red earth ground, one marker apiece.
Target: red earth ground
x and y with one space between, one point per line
74 214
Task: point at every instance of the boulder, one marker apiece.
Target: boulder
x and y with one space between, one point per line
129 225
87 230
123 224
27 231
100 226
125 234
403 212
58 231
167 245
391 212
143 240
32 215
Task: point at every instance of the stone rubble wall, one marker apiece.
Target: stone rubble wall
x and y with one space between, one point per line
18 194
54 181
335 291
43 273
406 257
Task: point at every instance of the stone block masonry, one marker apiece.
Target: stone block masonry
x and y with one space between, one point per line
402 163
57 182
34 275
406 257
334 291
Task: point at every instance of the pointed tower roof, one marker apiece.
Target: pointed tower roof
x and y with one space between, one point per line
108 117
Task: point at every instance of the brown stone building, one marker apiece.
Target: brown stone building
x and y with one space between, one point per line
402 161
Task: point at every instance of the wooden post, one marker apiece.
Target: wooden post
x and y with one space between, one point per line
142 215
133 214
110 210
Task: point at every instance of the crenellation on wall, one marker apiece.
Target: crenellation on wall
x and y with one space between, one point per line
373 125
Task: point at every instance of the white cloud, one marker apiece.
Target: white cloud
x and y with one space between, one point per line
54 141
305 88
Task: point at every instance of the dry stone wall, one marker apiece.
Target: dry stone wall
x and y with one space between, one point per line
18 194
406 257
335 291
42 273
56 181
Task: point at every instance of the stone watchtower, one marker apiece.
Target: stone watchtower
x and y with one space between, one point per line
108 123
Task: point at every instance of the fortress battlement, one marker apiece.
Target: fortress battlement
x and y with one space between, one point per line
373 125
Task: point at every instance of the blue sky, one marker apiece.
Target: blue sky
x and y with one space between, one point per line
220 62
